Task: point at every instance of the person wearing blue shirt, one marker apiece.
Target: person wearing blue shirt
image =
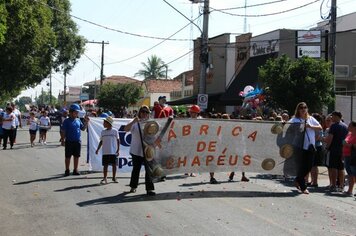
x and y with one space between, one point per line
71 137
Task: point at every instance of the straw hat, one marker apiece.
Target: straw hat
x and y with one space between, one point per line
277 129
286 151
268 164
149 152
110 120
151 128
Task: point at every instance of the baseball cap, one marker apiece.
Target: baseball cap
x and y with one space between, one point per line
161 97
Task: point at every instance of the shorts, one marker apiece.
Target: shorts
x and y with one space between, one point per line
72 148
350 170
335 162
109 160
43 131
33 132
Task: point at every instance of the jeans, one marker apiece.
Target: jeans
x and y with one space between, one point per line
304 165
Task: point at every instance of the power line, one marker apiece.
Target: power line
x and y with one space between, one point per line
92 60
109 28
248 6
269 14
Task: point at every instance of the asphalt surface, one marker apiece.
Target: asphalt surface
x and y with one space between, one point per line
36 199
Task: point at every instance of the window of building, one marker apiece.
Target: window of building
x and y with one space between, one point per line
342 71
354 71
341 90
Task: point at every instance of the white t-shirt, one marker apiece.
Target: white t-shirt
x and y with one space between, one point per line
309 137
18 116
109 138
44 121
9 124
33 123
136 145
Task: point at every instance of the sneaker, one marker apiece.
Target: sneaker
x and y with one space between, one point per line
193 175
213 181
66 173
114 180
332 189
151 193
75 172
103 181
347 194
45 143
133 190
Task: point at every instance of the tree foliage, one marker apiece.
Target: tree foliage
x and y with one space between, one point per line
289 82
22 101
45 98
155 68
34 39
116 97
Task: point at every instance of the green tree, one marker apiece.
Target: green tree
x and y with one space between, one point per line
34 39
289 82
116 97
22 101
44 99
155 68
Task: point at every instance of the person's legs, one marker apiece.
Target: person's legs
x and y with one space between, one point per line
314 175
75 168
135 173
105 172
12 137
244 178
304 168
67 164
114 172
6 136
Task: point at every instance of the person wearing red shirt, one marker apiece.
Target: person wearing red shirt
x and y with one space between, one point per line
161 110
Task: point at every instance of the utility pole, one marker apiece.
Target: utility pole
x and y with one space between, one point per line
65 90
332 24
204 54
102 59
50 89
332 49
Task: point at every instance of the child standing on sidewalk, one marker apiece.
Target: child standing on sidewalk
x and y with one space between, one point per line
110 141
33 123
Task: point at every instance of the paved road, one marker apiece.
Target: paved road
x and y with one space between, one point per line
35 199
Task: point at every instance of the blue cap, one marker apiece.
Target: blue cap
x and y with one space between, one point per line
109 113
74 107
103 115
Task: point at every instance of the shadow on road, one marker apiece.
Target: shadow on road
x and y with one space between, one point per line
123 198
54 177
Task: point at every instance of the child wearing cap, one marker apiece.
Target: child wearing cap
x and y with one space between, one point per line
110 142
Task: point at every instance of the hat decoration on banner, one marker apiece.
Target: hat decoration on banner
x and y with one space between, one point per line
253 98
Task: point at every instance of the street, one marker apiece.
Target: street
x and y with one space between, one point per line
36 199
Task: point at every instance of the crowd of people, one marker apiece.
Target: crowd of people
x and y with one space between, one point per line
327 141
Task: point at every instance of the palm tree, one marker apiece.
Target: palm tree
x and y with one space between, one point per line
154 69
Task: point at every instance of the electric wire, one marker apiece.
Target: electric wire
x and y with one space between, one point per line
269 14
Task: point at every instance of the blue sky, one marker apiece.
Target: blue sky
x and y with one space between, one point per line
155 18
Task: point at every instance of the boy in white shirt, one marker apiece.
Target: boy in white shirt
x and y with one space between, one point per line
110 141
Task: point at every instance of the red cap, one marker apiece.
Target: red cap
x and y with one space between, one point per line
195 109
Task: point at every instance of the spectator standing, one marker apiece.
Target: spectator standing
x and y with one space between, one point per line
306 158
18 120
349 143
162 110
337 134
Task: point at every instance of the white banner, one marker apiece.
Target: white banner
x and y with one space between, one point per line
95 127
206 145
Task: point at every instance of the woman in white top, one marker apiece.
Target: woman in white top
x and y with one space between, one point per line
9 126
45 124
306 158
136 152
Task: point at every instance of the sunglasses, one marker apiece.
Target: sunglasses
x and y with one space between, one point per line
147 112
303 107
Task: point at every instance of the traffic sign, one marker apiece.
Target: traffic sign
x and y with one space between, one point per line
203 101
